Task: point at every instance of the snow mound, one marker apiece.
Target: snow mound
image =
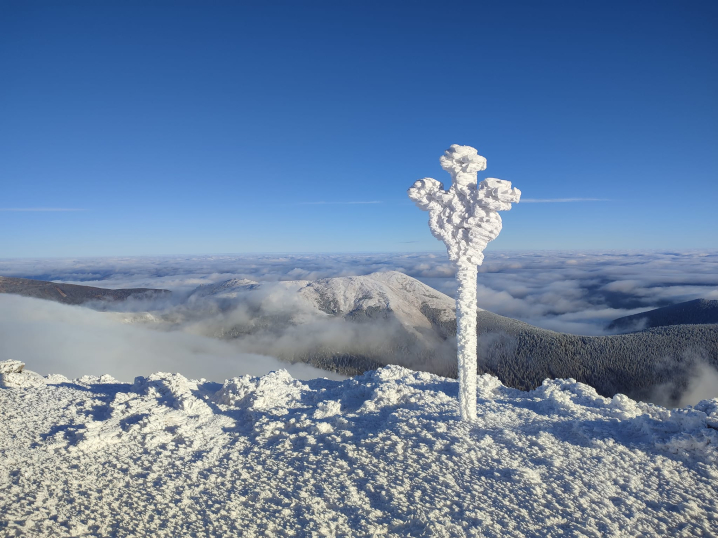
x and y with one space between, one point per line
274 391
710 408
673 430
13 374
157 410
173 389
11 367
379 454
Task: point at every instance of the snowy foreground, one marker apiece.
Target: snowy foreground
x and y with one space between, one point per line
379 454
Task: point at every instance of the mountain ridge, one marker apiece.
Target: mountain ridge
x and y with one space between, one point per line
695 312
521 355
72 294
353 324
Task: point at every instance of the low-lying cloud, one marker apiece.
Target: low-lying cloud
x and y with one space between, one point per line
75 341
700 381
274 319
574 292
569 291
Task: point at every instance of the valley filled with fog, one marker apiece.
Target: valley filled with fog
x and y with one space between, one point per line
544 314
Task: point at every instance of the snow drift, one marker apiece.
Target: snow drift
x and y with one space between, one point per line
379 454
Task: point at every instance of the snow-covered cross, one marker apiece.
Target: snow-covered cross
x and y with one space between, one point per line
465 218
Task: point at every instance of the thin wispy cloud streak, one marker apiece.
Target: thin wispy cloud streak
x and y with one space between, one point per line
342 203
561 200
41 209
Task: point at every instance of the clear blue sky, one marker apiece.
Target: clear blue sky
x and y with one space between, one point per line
213 127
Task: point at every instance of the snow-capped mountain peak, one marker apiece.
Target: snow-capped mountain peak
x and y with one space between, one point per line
225 289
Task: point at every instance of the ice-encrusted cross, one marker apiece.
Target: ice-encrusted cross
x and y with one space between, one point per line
465 218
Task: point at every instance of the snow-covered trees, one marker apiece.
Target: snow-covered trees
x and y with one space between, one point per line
465 218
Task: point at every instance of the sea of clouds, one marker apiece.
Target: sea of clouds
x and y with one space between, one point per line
569 291
574 292
74 341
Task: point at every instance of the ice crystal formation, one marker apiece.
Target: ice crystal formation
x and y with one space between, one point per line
465 217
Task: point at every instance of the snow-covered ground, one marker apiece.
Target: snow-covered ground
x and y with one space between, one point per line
379 454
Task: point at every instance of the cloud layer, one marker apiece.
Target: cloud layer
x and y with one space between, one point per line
75 341
575 292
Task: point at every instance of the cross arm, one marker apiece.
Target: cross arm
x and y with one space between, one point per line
427 190
497 194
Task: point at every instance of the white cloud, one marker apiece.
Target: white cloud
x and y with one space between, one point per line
42 209
575 291
74 341
561 200
341 203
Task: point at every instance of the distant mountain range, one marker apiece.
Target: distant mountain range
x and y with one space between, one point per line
353 324
71 293
699 311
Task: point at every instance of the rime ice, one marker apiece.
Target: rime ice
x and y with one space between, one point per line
465 218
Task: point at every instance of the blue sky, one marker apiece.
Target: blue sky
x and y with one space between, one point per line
212 127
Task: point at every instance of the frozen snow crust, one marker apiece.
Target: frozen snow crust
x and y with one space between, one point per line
380 454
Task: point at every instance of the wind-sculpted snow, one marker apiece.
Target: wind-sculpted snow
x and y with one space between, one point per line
13 374
379 454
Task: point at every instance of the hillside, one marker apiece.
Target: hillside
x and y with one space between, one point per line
664 359
373 296
382 454
345 324
349 325
698 311
422 325
70 293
